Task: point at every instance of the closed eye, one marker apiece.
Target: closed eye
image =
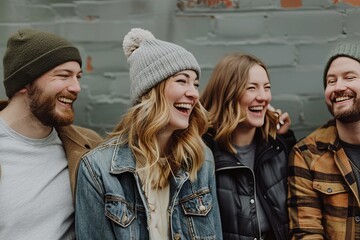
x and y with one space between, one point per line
350 77
182 81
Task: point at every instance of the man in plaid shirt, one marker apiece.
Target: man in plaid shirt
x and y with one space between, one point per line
324 167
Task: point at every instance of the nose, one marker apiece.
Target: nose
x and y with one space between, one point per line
261 95
339 85
74 86
192 92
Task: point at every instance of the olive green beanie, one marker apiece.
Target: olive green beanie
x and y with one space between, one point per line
30 53
346 49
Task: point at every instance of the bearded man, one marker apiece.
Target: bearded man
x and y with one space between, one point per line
40 149
324 167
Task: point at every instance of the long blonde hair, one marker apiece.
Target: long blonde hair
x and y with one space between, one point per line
139 128
221 97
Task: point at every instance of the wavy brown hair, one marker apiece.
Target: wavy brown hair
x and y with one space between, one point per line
142 123
221 97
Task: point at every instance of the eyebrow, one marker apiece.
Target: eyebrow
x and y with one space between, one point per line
66 70
185 74
255 83
344 73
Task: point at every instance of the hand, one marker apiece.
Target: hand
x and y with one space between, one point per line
284 120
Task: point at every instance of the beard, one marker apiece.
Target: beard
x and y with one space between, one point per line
43 106
348 116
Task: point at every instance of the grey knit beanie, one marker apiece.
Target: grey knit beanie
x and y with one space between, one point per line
30 53
347 49
152 61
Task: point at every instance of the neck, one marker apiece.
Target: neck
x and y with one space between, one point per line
243 135
18 117
163 140
349 132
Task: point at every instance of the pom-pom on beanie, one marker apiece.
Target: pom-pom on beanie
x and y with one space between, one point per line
152 61
30 53
347 49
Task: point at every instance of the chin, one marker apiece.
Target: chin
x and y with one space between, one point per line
180 127
256 123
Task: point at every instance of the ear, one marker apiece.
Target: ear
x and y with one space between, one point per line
23 90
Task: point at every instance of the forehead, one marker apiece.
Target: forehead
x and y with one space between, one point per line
257 74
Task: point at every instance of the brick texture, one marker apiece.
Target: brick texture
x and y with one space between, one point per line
293 37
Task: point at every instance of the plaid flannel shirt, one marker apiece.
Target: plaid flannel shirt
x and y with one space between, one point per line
323 196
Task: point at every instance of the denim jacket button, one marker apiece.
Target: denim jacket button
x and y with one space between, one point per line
202 208
177 236
124 219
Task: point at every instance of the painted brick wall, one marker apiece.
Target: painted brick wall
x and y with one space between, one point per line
293 37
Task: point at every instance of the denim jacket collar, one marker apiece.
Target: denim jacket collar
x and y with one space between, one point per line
122 159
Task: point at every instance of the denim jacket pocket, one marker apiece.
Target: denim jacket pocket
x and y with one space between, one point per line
198 204
198 219
119 211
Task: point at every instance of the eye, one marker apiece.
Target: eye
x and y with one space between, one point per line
350 77
181 80
331 81
63 75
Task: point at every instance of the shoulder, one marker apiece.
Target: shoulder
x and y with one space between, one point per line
100 158
209 157
208 154
80 135
208 166
103 148
320 137
87 132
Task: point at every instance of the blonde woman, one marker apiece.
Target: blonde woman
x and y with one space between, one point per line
250 158
154 177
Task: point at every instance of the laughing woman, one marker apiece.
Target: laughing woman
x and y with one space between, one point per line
250 158
154 177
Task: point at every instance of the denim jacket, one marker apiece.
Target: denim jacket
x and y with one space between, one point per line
110 203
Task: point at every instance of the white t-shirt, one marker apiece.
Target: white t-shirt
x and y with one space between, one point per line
35 193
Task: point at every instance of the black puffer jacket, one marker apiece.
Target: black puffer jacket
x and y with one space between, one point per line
236 186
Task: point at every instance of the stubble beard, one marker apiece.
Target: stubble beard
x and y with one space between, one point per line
349 116
43 107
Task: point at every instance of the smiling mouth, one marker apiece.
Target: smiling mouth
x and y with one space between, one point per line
341 99
256 109
65 100
183 107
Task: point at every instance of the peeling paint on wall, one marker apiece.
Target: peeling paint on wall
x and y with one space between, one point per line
351 2
291 3
237 4
89 65
206 4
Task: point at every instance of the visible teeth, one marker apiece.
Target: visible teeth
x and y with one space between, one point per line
65 100
339 99
257 108
183 105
